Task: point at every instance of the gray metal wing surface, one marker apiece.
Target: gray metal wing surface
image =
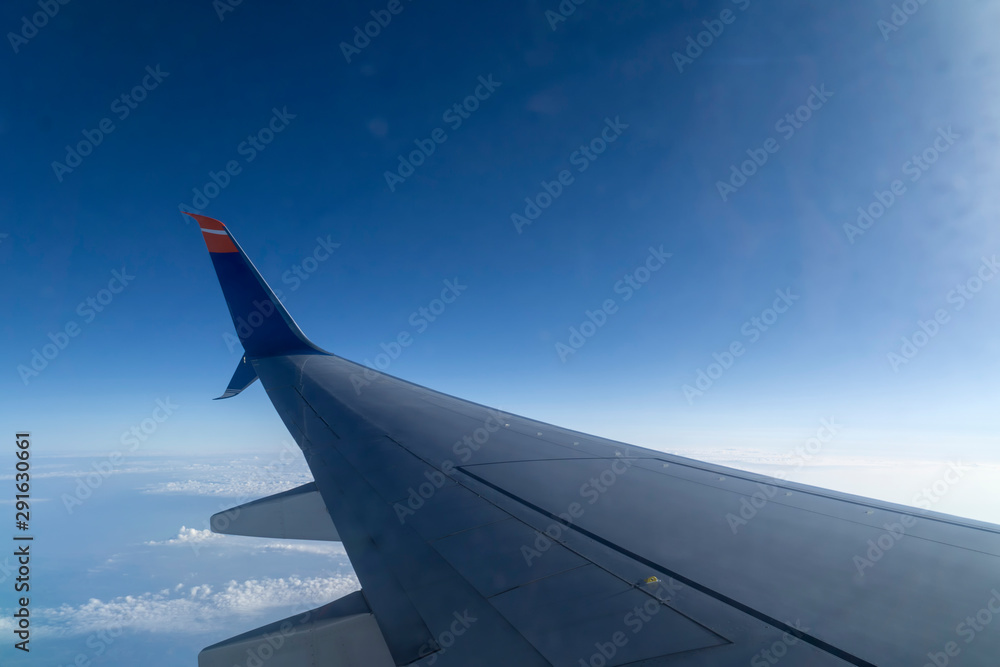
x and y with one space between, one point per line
485 538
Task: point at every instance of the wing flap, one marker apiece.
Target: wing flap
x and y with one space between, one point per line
587 611
297 514
343 633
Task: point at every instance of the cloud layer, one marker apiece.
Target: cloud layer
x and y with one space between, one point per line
196 539
192 609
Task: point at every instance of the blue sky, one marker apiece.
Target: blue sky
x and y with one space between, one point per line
884 96
772 318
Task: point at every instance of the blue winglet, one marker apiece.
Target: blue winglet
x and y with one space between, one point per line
263 325
243 377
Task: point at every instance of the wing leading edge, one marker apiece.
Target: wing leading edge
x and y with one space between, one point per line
486 538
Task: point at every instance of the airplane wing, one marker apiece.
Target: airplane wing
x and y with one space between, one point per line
485 538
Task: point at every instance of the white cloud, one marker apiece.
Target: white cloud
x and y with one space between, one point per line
188 536
247 477
331 548
191 609
232 486
199 538
83 472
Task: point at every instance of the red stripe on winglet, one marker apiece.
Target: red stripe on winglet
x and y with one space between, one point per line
219 242
207 222
215 242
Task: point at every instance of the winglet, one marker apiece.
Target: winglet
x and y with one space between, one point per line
263 325
243 377
215 233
